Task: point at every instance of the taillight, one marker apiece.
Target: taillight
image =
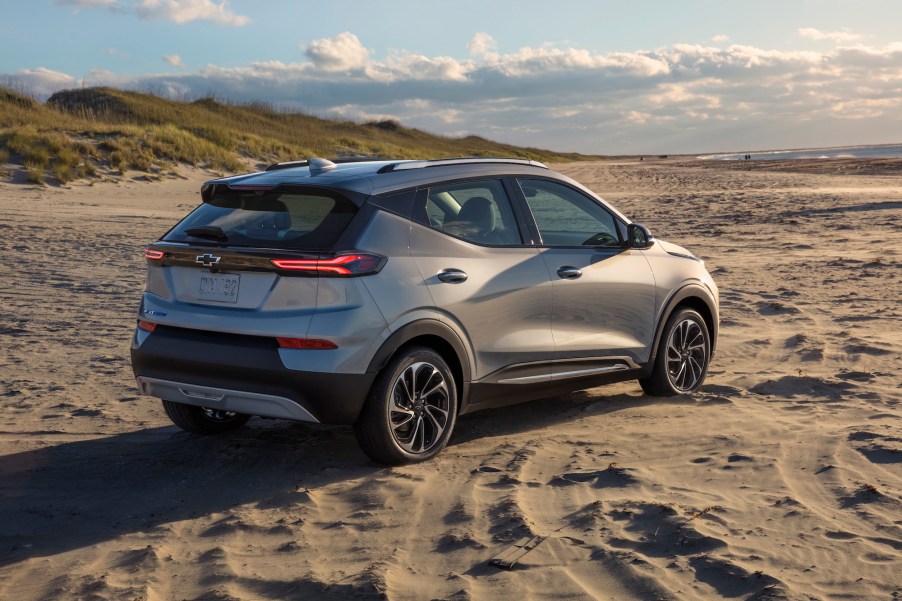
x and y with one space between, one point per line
343 265
153 255
306 343
147 326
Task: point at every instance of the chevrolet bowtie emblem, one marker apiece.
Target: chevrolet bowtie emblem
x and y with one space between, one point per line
208 260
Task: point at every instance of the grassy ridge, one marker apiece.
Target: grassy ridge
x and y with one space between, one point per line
78 132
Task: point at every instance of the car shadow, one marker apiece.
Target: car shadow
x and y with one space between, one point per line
79 493
548 412
76 494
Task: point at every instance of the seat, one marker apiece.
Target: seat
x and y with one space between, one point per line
475 221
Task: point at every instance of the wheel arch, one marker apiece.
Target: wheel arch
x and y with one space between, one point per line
438 336
692 296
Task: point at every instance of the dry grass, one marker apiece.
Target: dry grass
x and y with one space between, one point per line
78 129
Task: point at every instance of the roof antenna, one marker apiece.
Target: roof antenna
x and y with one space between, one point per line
318 165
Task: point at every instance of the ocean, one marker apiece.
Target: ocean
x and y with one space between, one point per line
880 151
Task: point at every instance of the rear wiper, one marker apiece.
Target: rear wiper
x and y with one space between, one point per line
207 231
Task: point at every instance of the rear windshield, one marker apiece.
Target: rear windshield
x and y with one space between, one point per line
286 219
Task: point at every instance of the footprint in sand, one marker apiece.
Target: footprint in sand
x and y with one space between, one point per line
792 386
289 547
776 308
839 535
612 477
738 457
486 469
877 448
145 558
866 349
856 376
865 493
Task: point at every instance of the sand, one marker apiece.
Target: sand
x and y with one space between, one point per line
782 479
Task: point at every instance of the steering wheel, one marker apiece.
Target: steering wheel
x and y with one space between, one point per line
600 239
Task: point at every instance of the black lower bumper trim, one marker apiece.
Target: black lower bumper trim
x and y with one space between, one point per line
251 364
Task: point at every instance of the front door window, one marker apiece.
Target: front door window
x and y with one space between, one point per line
567 218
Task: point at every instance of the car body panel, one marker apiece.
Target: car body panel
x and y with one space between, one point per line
675 271
609 309
389 235
159 310
504 305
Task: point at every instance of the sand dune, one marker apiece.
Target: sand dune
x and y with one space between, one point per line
781 480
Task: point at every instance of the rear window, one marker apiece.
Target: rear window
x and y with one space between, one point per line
286 219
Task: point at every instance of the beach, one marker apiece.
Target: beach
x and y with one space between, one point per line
780 479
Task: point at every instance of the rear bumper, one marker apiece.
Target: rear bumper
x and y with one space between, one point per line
239 401
243 374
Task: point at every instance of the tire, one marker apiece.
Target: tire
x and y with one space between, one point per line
684 353
398 426
200 420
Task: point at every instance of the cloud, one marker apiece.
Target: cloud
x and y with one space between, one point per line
482 44
344 52
720 38
177 11
40 82
173 59
682 98
185 11
834 36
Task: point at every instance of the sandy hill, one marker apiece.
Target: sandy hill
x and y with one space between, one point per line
91 131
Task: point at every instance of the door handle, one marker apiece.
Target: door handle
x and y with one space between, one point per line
568 272
452 276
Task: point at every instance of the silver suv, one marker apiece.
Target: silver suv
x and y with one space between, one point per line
397 295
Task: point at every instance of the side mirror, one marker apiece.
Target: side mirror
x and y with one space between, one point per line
638 237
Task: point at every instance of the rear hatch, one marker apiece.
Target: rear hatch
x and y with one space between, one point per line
249 259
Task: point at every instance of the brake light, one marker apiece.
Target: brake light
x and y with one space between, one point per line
354 264
147 326
306 343
153 255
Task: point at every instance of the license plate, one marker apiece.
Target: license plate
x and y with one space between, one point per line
221 287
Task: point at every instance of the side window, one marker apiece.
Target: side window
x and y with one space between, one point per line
567 218
476 211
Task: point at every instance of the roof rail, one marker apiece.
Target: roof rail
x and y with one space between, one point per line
403 166
337 161
287 165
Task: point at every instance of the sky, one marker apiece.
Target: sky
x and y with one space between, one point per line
601 77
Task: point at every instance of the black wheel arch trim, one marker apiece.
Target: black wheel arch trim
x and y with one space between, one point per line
427 327
691 290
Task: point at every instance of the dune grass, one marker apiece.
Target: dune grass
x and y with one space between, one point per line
76 132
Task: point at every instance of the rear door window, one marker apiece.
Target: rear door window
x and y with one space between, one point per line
477 211
268 219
